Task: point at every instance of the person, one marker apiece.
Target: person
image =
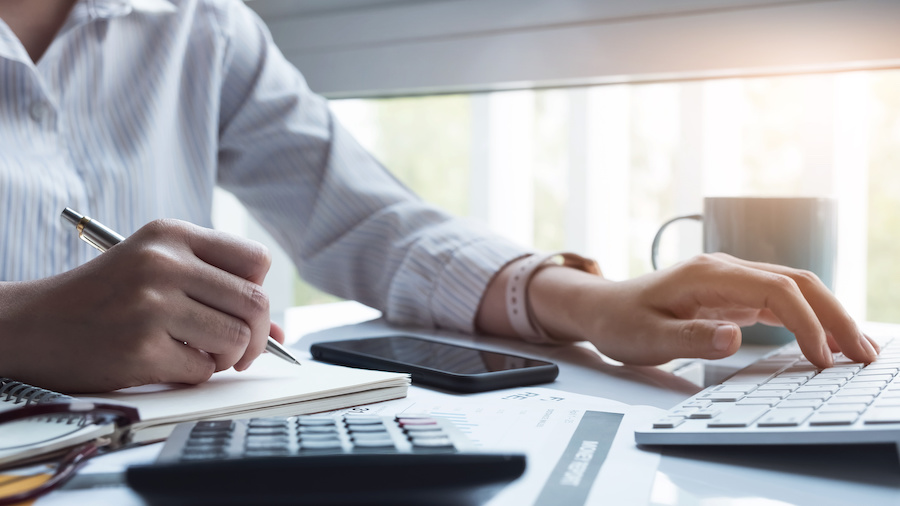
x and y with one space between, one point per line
131 111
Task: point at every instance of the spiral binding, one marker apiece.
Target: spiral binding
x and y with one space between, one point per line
18 392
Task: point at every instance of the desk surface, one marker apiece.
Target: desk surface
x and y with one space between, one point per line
688 476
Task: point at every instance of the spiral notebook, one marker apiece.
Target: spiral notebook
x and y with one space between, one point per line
270 387
40 437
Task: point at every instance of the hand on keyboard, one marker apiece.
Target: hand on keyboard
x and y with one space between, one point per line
693 309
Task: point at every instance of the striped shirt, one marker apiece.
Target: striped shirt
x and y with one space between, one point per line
139 108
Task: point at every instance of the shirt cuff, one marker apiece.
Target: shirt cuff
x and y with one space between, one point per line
442 287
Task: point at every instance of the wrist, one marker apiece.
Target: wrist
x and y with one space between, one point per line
564 301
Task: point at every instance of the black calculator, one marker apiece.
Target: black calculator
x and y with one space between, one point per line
318 459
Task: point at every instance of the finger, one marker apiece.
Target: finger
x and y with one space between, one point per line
246 259
761 289
832 315
221 335
237 297
183 364
276 332
700 339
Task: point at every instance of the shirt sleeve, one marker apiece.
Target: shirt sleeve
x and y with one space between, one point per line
351 228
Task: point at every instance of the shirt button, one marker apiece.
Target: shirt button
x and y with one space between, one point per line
39 111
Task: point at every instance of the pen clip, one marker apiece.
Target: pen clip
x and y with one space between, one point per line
85 237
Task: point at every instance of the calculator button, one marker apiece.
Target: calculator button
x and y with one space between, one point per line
428 434
267 422
366 428
265 446
416 421
203 455
267 431
370 436
362 419
432 442
215 425
207 440
318 437
308 421
320 445
318 429
420 428
374 443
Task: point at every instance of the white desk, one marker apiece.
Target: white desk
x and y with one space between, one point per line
689 476
695 476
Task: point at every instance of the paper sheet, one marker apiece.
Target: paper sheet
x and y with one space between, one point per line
564 436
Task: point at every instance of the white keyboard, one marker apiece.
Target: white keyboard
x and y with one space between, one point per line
783 399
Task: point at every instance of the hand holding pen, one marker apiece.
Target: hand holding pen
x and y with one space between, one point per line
122 318
102 237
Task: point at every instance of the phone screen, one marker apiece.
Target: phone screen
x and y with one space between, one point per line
437 355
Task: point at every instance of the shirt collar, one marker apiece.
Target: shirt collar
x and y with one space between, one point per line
116 8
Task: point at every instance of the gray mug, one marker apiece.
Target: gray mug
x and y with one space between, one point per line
799 232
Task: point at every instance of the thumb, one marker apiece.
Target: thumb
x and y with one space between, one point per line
704 338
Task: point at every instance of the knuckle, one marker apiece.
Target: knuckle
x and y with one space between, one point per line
256 300
687 340
784 284
700 263
806 278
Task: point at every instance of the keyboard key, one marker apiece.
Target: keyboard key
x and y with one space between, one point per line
818 388
735 388
834 418
832 408
835 374
851 399
835 381
778 386
704 414
669 422
882 415
865 384
800 403
873 376
721 396
781 394
858 391
790 380
788 417
738 416
759 401
808 395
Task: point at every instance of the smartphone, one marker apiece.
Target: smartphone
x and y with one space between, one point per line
434 363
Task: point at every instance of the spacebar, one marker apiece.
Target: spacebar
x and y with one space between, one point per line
738 416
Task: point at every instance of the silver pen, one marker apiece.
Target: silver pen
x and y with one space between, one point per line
102 237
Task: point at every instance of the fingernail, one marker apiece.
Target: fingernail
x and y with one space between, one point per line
870 350
826 352
723 337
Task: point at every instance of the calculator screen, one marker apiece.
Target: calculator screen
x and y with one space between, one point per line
437 355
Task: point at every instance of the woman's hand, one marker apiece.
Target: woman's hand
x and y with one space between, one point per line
694 309
172 303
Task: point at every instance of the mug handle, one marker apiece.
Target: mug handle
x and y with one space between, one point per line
654 251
